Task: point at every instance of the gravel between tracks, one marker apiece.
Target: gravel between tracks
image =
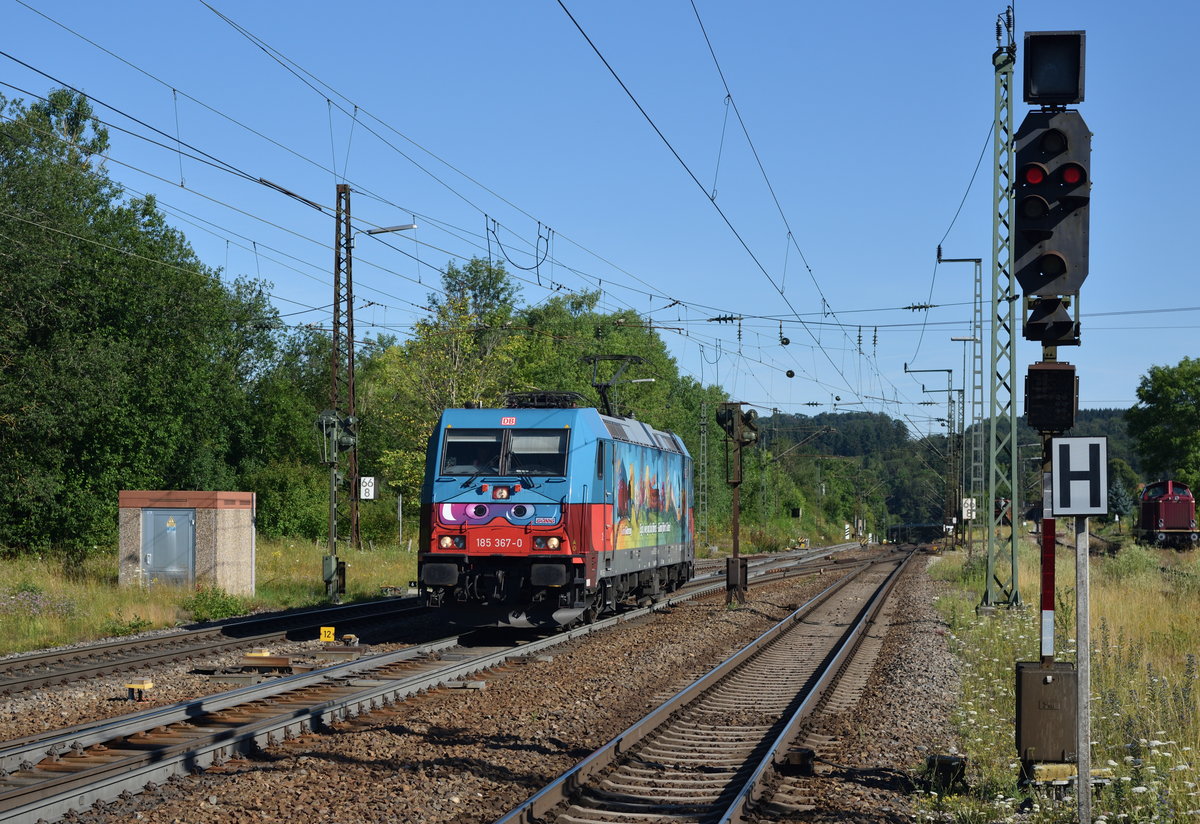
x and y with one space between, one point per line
471 755
106 696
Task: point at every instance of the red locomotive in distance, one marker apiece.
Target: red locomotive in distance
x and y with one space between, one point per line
1167 516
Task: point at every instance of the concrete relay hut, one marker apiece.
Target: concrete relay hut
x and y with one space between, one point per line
189 539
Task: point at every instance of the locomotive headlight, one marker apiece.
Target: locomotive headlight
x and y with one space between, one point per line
446 542
553 543
452 541
500 493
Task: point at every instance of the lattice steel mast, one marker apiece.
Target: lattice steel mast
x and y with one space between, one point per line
1002 584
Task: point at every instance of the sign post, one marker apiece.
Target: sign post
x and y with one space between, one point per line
366 488
1080 488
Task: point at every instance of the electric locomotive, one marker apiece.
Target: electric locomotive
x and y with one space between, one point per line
545 513
1167 515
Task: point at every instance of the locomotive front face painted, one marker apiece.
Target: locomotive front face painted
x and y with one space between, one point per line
549 515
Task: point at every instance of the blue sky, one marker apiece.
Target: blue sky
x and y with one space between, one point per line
493 124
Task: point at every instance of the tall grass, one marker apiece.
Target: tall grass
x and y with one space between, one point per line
1145 724
47 602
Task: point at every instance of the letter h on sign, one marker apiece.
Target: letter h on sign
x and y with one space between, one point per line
1080 476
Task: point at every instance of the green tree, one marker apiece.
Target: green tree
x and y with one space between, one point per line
1121 501
462 353
124 361
1120 471
483 290
282 460
1165 420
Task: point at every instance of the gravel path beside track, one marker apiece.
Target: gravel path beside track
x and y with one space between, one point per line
471 755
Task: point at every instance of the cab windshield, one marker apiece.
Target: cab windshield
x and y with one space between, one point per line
472 452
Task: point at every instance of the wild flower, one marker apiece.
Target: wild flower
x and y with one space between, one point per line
32 602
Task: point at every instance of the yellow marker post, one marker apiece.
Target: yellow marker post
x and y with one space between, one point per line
138 688
328 635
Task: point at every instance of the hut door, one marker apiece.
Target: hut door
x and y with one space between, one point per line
169 546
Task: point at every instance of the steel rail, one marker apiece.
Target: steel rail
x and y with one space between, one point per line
753 790
77 663
562 789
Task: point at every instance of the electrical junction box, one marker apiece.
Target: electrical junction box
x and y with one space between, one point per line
1047 711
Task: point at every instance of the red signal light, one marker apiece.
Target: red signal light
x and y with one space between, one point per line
1034 174
1072 175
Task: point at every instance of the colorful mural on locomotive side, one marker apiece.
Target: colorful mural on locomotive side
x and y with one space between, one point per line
652 500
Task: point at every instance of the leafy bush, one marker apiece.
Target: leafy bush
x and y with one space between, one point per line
116 626
293 500
377 519
213 604
1131 562
768 538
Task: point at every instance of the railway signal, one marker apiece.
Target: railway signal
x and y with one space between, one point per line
1050 322
348 438
749 428
1051 396
1052 200
729 420
1053 192
742 429
1054 62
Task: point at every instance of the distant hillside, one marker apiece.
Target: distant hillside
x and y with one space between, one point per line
1099 423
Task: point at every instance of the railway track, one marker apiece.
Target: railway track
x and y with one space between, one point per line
708 754
41 669
45 776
